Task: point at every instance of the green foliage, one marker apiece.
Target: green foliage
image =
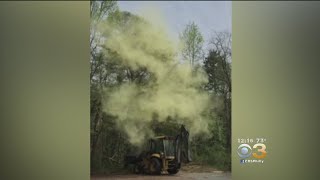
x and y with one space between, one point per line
217 65
109 143
213 149
192 42
101 9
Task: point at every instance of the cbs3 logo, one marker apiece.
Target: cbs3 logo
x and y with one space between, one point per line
245 151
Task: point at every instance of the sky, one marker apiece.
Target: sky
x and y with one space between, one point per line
208 15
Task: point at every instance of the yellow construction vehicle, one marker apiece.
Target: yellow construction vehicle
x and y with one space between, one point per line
164 154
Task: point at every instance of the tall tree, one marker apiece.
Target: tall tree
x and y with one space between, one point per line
192 43
220 59
99 10
217 64
108 143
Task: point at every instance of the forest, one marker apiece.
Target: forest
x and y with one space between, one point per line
142 84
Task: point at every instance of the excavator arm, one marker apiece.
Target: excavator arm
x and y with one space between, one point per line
182 148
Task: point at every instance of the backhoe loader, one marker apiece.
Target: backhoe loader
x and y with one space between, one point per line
164 154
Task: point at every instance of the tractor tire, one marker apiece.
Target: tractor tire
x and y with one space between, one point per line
155 166
173 171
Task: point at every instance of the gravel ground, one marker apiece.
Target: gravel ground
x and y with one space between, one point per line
181 175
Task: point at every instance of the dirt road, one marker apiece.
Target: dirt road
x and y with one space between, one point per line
181 175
